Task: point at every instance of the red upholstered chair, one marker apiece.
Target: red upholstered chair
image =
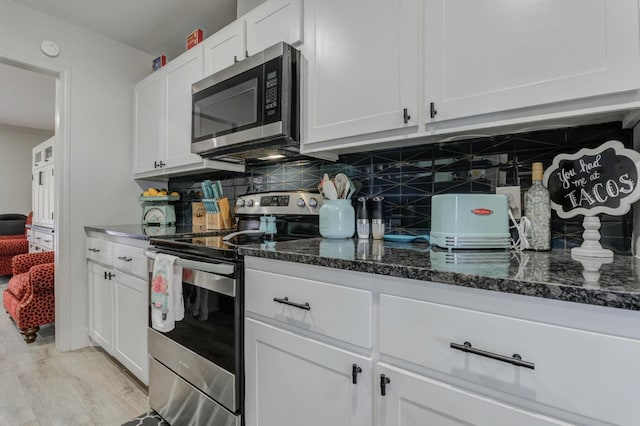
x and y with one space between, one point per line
29 298
11 245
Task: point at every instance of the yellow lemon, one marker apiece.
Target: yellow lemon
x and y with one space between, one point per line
175 194
152 192
162 193
145 194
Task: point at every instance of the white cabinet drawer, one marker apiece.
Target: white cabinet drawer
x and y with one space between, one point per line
130 260
99 250
44 239
591 374
335 311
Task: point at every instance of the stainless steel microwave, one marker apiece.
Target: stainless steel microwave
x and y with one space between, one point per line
250 109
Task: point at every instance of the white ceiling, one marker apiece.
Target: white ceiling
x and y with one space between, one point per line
153 26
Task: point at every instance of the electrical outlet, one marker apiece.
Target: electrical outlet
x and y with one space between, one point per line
514 196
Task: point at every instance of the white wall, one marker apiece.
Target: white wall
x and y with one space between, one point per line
246 5
15 166
96 177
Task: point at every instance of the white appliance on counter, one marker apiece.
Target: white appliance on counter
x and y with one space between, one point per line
470 221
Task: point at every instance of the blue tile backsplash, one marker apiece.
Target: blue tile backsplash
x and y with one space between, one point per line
408 177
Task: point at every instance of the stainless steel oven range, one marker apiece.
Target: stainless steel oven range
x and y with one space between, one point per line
196 371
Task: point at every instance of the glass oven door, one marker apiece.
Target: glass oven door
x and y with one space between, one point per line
233 106
209 323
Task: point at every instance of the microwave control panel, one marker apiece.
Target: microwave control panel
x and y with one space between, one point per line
272 90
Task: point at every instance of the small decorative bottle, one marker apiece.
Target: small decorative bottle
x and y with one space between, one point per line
377 220
538 209
362 218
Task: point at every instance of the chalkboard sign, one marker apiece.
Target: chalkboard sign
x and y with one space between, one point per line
594 181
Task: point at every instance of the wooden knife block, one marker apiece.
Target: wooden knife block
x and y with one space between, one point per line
220 220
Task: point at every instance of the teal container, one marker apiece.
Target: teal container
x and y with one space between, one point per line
337 219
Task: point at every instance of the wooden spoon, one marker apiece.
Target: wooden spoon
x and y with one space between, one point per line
329 190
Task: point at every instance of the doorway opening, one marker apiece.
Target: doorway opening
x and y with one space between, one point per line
60 202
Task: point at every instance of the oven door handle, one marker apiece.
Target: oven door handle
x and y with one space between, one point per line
214 267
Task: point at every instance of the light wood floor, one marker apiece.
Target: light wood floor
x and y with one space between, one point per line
41 386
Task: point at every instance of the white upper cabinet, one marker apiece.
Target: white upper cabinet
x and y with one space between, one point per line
180 75
162 129
271 22
362 67
147 133
499 55
225 47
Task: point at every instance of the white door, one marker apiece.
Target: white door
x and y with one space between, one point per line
147 136
293 381
101 305
35 176
47 196
414 400
181 73
52 194
497 55
225 47
362 67
40 199
273 22
131 314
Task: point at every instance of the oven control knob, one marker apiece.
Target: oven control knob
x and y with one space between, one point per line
313 202
240 203
301 202
249 203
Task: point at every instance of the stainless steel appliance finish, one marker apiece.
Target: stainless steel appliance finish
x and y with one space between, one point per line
279 203
213 267
250 109
179 403
200 372
199 363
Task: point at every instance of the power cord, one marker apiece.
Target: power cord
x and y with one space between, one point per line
522 230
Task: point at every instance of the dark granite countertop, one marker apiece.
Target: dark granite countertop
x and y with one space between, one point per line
141 232
551 275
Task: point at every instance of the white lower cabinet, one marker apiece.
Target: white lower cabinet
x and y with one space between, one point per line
118 302
40 239
566 361
130 321
292 380
414 400
524 364
100 305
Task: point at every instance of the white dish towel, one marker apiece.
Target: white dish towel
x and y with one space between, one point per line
167 305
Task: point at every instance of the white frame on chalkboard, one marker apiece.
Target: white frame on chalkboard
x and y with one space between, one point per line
625 203
591 245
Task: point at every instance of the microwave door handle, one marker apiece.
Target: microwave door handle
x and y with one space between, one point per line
216 268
